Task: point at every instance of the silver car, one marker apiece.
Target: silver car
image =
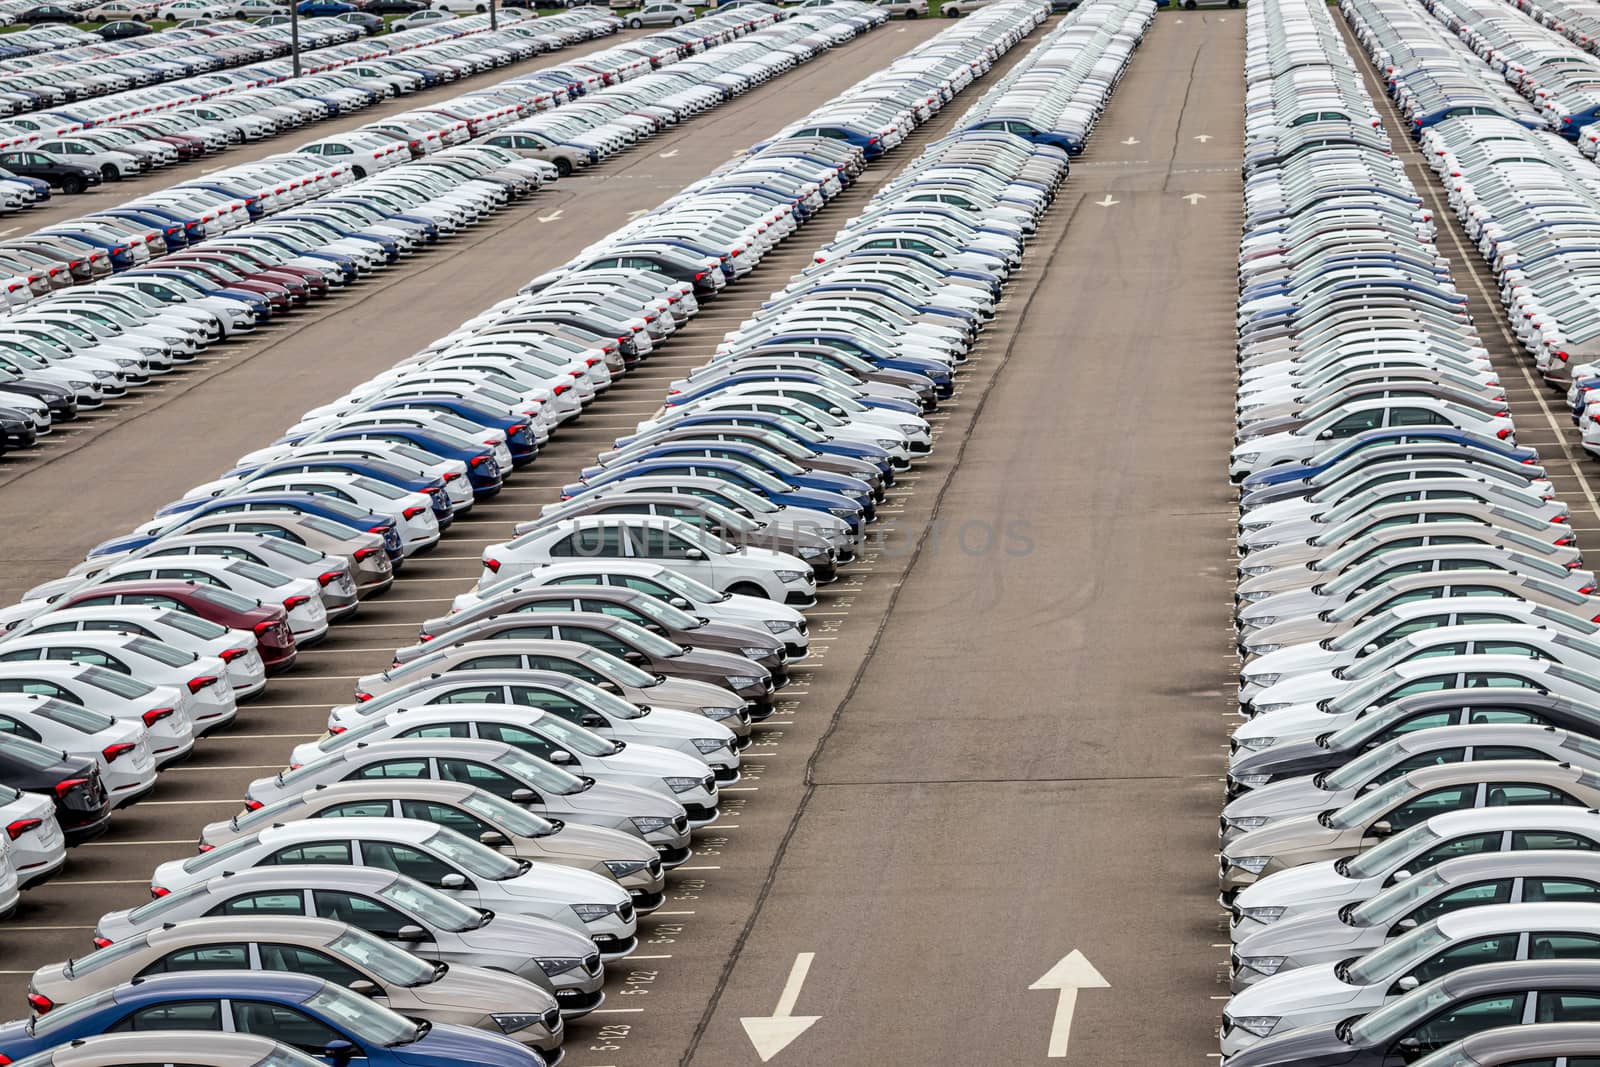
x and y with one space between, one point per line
505 771
34 840
214 1049
396 908
1468 882
323 948
476 813
661 15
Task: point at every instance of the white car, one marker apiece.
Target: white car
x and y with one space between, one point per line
716 743
180 629
159 708
200 680
300 597
682 546
121 747
683 777
412 512
112 165
476 875
38 847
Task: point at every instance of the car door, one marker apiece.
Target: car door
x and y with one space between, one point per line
225 957
1476 895
1454 1022
414 863
482 776
177 1015
287 1025
653 542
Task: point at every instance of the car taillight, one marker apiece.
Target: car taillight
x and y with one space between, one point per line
362 698
560 388
1586 590
253 805
377 529
487 441
16 829
155 715
39 1003
700 275
231 654
205 848
363 553
157 892
492 563
112 752
1561 518
337 730
67 785
477 460
290 603
199 683
1504 433
327 577
413 512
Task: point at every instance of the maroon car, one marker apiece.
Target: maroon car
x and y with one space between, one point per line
217 277
269 622
299 289
254 260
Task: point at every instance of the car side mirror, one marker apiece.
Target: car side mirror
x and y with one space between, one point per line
1401 875
365 987
1369 648
1407 983
524 796
592 722
680 603
493 838
1381 828
339 1052
636 657
411 933
611 687
453 881
693 553
560 757
1325 435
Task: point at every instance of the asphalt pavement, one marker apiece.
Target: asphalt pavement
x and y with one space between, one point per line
1006 746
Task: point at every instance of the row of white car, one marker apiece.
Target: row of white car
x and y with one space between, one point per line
536 677
1406 847
238 246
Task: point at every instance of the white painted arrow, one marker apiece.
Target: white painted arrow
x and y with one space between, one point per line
1194 198
669 155
551 217
771 1034
1202 137
1071 974
636 214
1131 140
1107 202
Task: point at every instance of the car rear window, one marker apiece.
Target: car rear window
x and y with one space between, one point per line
112 682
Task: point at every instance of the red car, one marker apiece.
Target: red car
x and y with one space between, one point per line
269 622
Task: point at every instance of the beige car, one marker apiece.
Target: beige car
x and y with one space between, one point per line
212 1049
369 563
495 1001
476 813
911 9
534 144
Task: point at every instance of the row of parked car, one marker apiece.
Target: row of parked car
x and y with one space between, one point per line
511 793
1407 848
128 293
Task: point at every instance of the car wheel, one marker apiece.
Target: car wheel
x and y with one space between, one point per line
635 24
563 168
677 21
1188 5
951 12
911 14
72 186
110 173
748 589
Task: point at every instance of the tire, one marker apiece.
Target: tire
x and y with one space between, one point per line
950 11
635 24
72 186
1188 5
483 9
911 14
359 172
677 21
563 168
109 173
748 589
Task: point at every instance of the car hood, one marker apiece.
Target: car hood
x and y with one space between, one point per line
445 1043
537 937
593 844
1299 721
1307 1046
1278 800
468 989
1315 934
1296 833
1314 885
1307 989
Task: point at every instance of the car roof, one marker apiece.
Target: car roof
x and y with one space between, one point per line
1525 916
1535 973
170 986
1541 1041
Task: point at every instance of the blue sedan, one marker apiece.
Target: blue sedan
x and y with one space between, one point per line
317 1017
1289 472
310 503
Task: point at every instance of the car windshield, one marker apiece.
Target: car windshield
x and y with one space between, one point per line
118 684
702 539
576 738
547 776
1367 666
1364 810
432 906
1388 906
161 653
607 703
258 574
395 966
368 1022
1360 770
506 816
1394 959
1388 1022
220 855
1361 696
1364 634
475 858
1377 861
224 598
745 499
611 666
664 613
639 637
193 625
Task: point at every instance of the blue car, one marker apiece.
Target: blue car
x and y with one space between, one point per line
1289 472
762 459
800 434
311 503
377 469
719 385
941 376
519 434
319 1018
315 8
483 471
738 473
